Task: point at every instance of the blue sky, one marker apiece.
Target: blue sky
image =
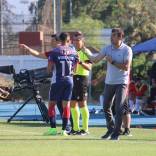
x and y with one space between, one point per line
19 7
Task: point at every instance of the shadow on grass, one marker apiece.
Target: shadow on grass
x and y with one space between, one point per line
143 140
13 135
26 124
81 138
37 124
37 139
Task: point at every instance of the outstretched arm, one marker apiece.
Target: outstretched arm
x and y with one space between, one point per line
33 52
92 58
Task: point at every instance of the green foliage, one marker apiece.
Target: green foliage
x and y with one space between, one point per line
138 65
137 17
98 74
91 28
92 8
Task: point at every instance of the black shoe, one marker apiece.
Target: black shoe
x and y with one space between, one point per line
83 132
107 136
72 132
136 112
68 129
114 136
121 132
127 132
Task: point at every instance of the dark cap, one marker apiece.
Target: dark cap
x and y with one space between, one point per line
78 36
78 33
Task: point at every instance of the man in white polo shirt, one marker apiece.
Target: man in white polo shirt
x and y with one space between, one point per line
118 56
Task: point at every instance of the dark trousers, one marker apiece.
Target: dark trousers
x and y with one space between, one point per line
119 91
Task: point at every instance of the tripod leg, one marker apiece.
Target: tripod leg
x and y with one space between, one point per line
19 109
43 109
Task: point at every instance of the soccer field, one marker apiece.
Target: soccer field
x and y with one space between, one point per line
26 138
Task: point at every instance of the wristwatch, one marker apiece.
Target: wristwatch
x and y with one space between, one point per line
80 62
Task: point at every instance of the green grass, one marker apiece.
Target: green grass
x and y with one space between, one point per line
25 138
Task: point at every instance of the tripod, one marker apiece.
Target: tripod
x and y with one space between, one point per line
28 79
38 99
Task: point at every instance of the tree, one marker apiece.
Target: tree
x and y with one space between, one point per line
91 28
137 17
90 7
36 10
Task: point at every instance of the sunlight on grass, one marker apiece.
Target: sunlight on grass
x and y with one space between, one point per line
21 138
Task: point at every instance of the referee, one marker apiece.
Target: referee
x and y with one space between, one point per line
79 95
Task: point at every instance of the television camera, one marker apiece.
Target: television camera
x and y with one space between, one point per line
26 79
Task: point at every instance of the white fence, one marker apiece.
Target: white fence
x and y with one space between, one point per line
23 62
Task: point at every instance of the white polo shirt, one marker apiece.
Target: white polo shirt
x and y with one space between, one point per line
115 75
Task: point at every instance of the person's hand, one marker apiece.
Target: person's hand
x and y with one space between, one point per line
80 62
109 59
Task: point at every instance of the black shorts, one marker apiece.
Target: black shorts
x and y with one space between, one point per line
80 88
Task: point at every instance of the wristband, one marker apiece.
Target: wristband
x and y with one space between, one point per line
80 62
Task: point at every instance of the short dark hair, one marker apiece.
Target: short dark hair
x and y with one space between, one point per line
55 36
63 36
119 32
